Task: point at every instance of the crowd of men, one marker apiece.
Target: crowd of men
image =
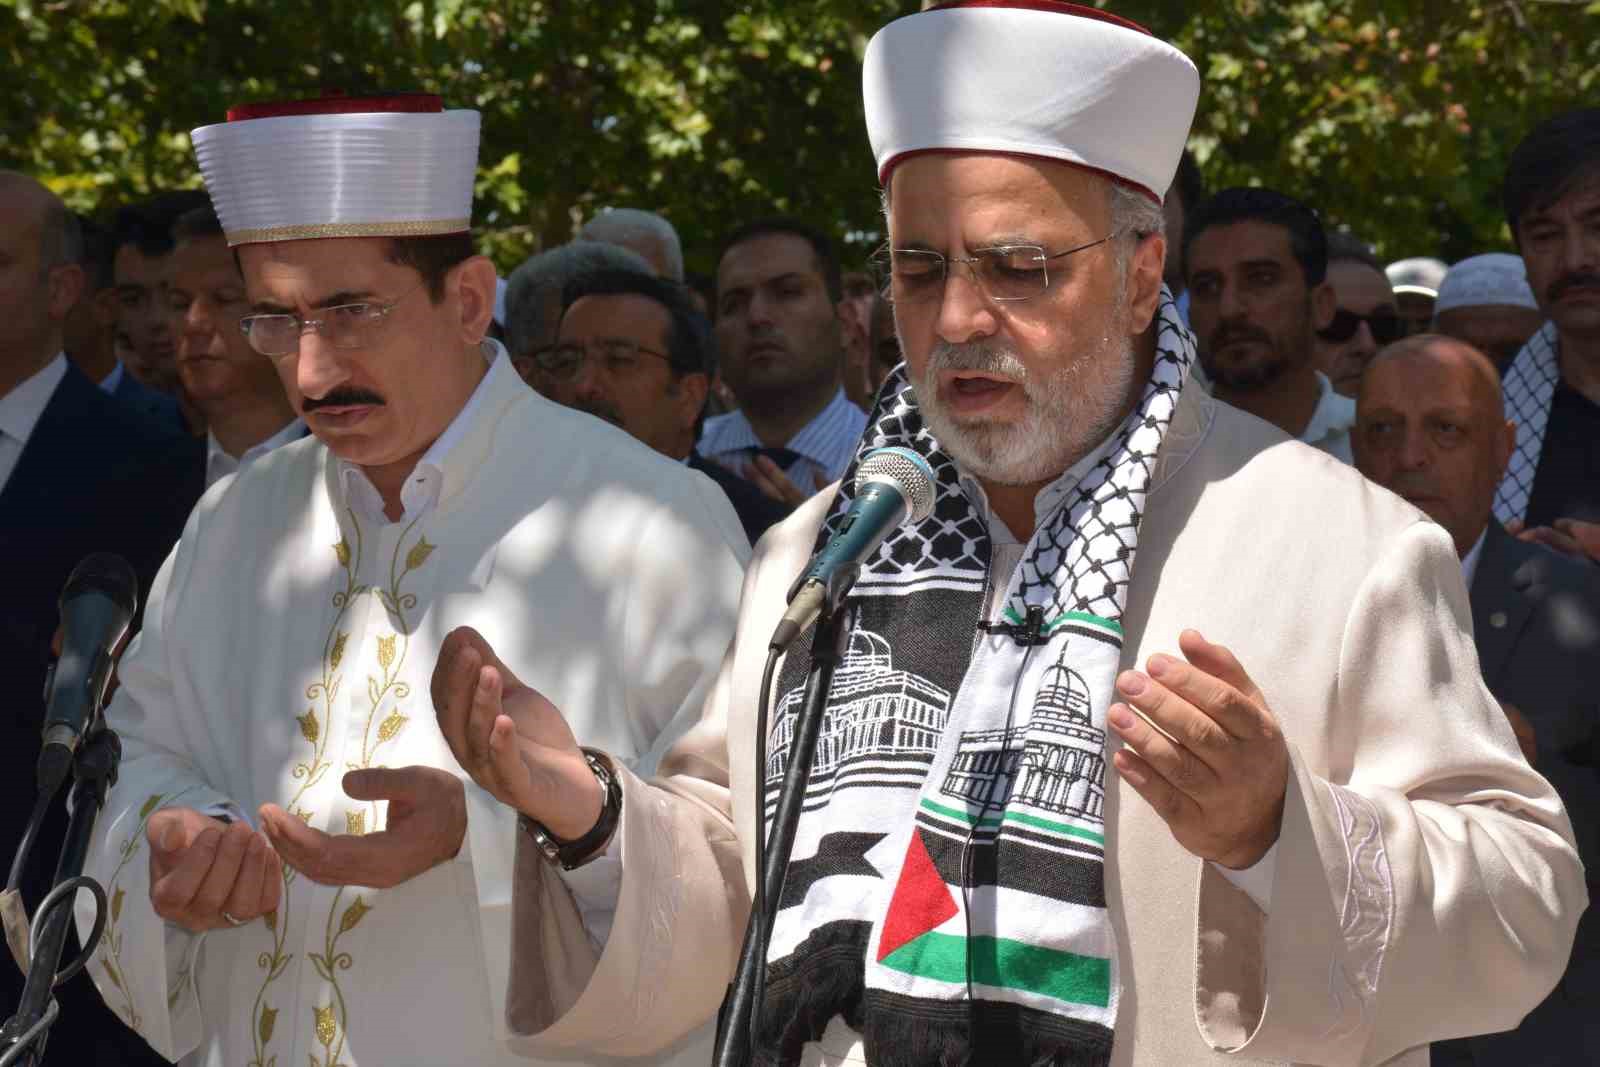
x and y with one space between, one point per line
151 359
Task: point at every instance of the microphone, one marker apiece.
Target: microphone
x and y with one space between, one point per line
97 604
893 486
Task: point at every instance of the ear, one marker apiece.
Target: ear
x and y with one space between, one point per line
1144 280
473 281
1324 302
691 399
66 286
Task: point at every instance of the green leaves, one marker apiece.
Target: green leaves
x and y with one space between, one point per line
1393 116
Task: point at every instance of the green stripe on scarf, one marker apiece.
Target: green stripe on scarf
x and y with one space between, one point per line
1020 817
1004 964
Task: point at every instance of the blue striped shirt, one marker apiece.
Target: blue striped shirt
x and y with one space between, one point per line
825 445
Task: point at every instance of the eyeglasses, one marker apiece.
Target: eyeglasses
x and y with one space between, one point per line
1384 325
342 326
1003 272
619 358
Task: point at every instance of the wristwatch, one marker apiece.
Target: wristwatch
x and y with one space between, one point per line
571 855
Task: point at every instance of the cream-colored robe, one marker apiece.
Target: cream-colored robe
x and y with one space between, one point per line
288 639
1426 884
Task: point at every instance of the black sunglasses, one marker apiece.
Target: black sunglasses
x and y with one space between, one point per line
1385 326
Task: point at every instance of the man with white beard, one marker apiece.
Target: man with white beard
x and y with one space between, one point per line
1048 821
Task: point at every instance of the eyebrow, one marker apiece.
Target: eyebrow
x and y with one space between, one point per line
363 296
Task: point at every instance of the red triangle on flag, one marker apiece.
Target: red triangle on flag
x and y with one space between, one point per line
921 901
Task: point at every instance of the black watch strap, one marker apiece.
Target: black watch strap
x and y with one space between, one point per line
571 855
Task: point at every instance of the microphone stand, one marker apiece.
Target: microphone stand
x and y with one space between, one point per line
743 1006
94 771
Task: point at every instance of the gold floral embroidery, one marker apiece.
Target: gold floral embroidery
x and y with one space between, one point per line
111 954
316 731
355 822
330 1020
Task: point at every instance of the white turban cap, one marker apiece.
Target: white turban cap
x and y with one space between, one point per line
390 166
1497 279
1037 78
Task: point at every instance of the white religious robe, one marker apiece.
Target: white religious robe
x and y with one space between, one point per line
289 639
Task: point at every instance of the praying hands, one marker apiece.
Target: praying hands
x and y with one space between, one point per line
1205 751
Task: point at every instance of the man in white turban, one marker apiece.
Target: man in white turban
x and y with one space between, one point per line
1487 302
297 869
1161 738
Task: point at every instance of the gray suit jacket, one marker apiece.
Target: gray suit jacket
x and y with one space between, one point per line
1536 615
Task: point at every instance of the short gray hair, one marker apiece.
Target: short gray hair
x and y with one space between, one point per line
1135 215
625 225
533 291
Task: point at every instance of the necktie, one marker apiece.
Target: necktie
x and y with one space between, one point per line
783 457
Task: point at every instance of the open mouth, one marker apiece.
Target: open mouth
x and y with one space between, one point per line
971 392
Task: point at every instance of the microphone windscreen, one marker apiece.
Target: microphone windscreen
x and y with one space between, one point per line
107 574
904 469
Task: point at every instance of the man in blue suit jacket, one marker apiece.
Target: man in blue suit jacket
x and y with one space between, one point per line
1431 426
79 473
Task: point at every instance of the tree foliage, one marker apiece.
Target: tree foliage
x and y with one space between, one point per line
1395 117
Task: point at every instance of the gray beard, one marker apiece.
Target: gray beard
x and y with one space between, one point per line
1071 408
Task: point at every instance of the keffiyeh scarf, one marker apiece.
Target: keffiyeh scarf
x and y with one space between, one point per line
1530 389
947 893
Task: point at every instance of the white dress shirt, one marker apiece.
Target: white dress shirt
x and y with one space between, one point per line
1331 422
824 446
219 464
108 384
21 409
426 480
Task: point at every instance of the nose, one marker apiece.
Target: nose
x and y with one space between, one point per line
588 385
195 326
1229 303
1415 453
318 366
759 311
1365 344
1580 251
965 313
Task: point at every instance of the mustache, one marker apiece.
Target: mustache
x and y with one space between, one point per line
1408 484
980 356
1582 279
602 411
349 396
1229 332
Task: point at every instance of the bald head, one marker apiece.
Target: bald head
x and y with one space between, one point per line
1431 426
40 279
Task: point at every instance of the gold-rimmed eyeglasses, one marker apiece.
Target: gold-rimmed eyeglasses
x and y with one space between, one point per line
342 326
1004 272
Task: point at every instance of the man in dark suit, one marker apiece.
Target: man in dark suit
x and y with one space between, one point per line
79 473
632 350
92 337
1431 426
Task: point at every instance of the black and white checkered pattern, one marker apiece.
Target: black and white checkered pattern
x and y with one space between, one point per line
1530 389
1082 559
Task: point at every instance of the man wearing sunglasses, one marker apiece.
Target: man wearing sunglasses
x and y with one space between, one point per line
1257 264
1364 319
298 871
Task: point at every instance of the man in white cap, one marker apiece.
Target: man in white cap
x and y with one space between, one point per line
1487 302
1274 840
1416 288
296 867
